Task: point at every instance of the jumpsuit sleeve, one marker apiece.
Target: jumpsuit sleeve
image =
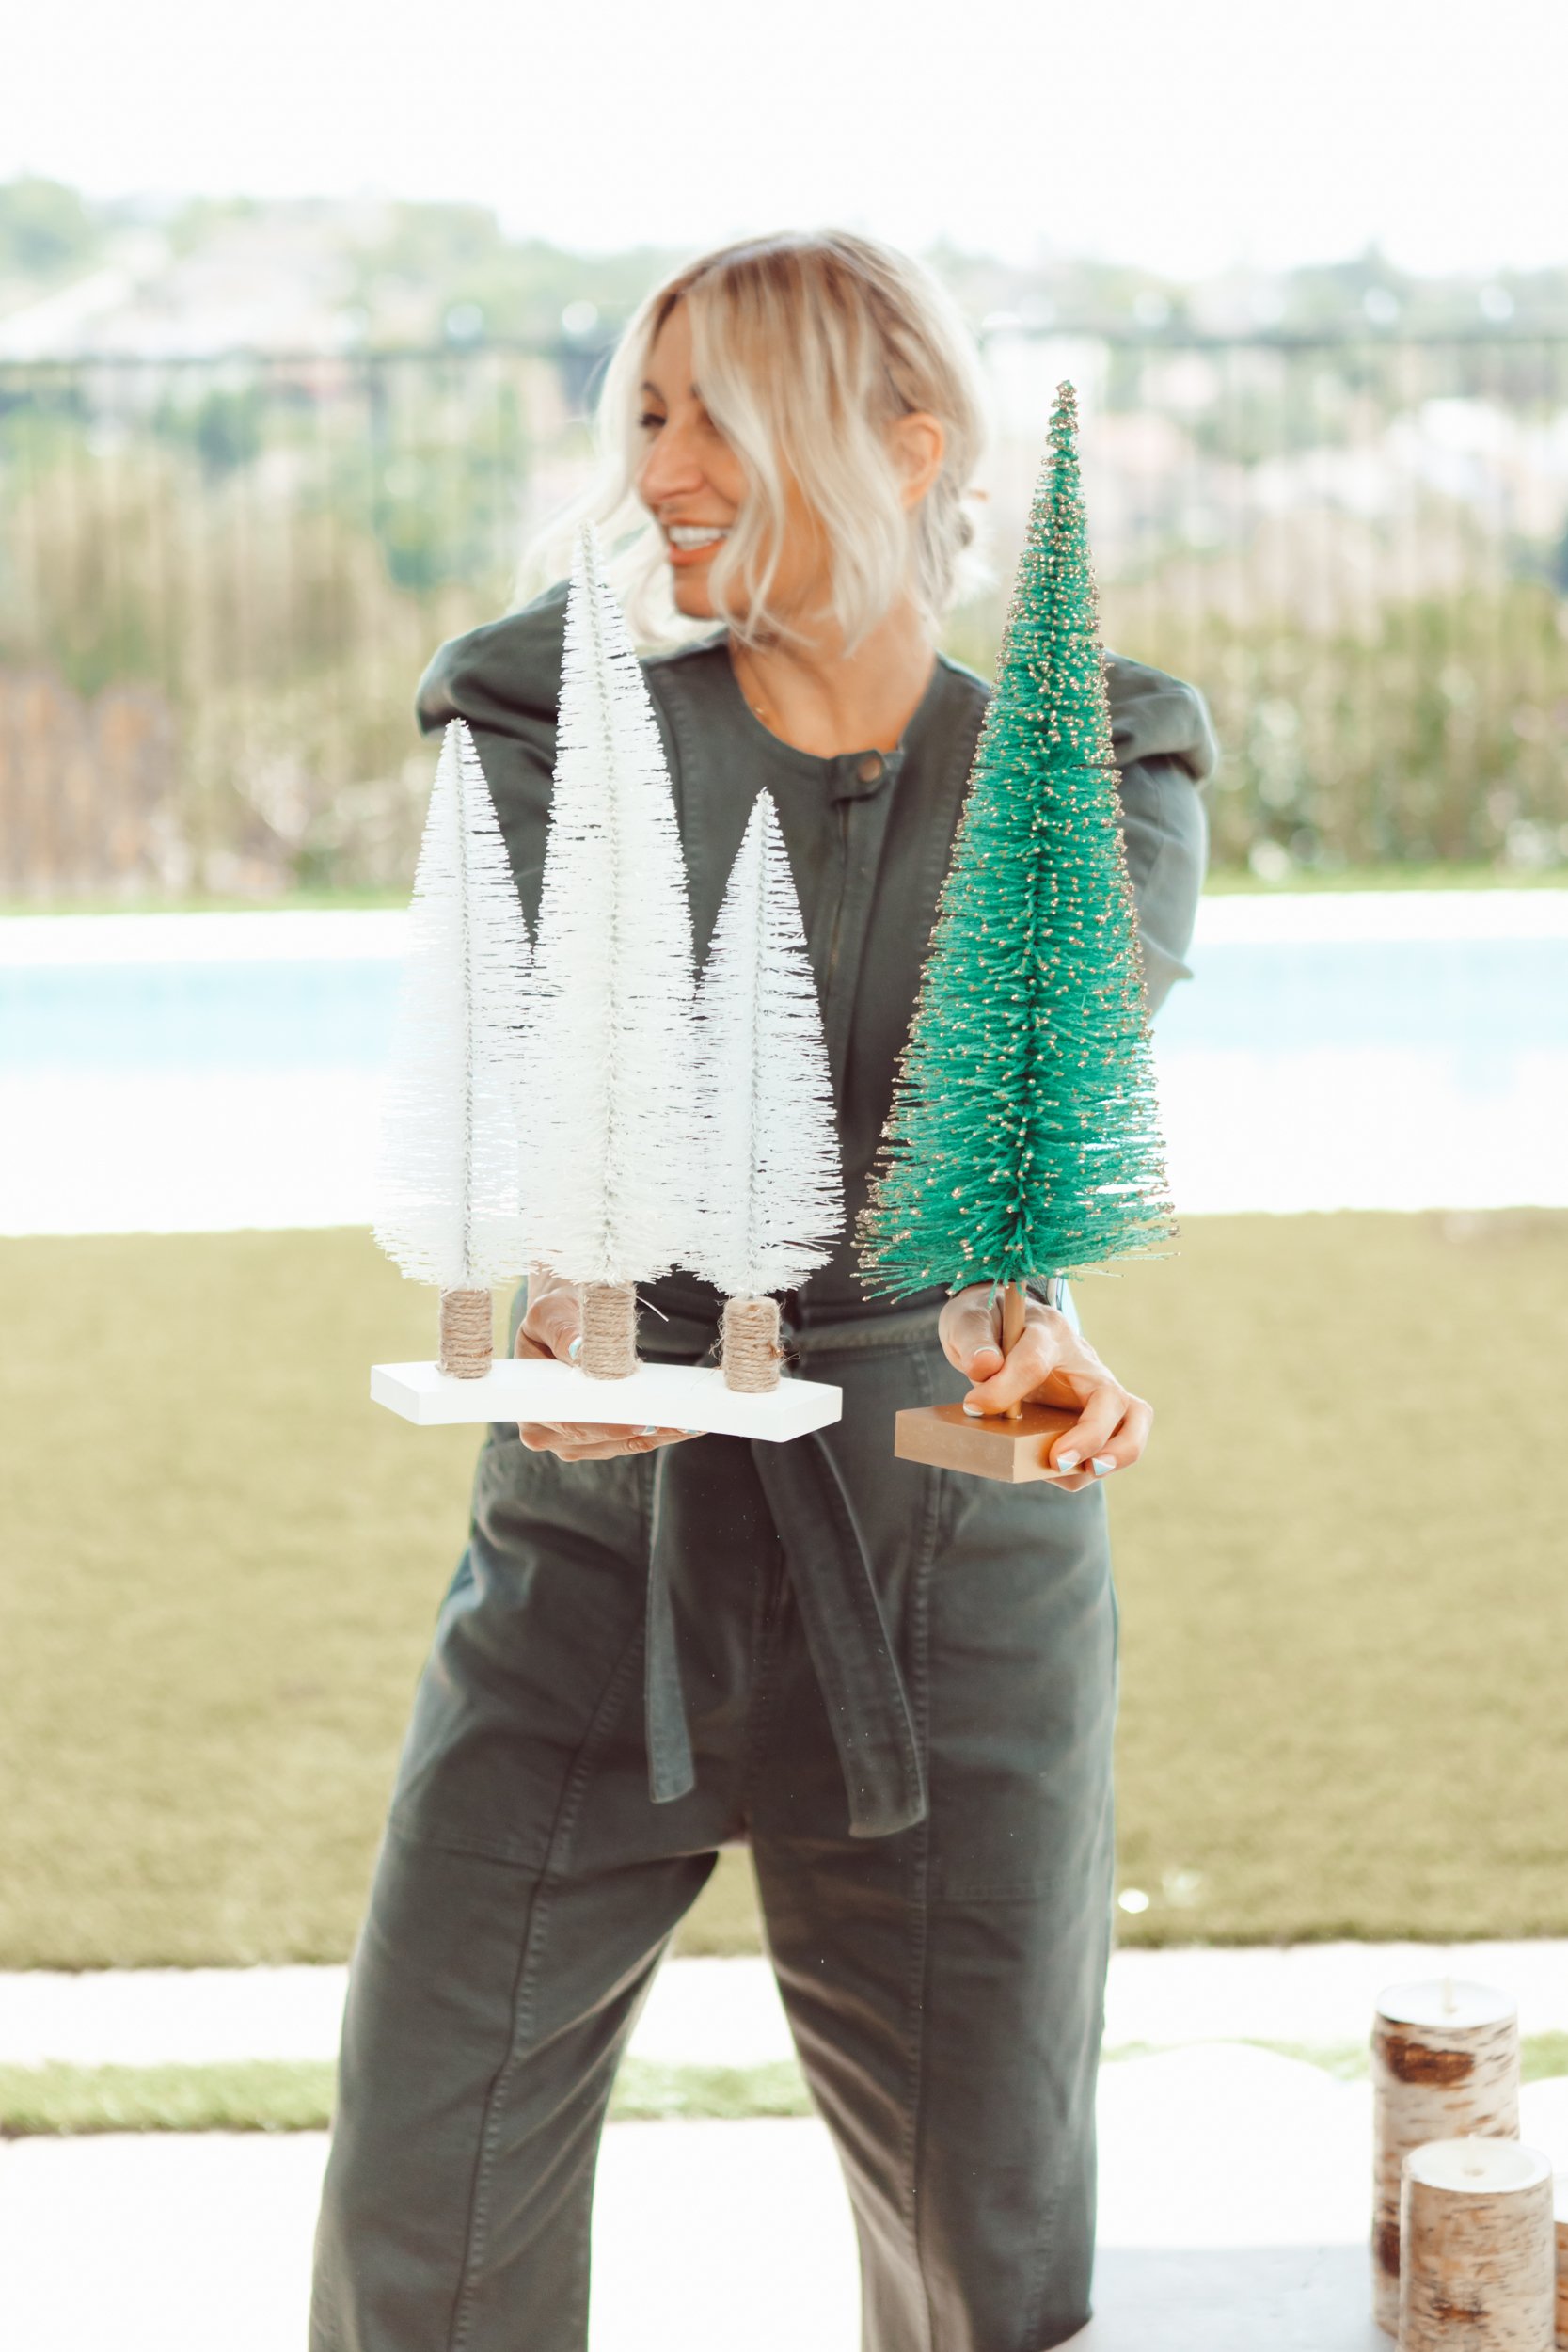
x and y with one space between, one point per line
1165 751
504 680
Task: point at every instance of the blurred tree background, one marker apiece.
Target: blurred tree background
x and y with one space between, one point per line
257 460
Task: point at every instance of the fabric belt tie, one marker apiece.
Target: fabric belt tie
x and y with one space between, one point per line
830 1569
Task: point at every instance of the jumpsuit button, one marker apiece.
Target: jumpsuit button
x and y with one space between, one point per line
870 768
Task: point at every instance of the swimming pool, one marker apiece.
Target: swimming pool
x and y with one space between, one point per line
169 1073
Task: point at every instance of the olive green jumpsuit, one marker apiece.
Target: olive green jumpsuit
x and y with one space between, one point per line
895 1685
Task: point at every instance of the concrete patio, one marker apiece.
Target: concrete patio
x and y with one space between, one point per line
708 2237
1234 2180
1234 2189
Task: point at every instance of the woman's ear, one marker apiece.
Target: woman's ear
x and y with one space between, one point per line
919 445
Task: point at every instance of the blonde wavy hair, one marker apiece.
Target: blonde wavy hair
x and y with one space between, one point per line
807 346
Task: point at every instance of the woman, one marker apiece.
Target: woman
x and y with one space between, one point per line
895 1685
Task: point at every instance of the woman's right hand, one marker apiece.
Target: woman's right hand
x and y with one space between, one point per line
553 1327
1051 1363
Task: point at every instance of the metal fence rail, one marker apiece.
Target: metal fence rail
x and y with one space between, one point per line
219 579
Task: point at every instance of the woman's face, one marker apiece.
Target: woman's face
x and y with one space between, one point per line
692 483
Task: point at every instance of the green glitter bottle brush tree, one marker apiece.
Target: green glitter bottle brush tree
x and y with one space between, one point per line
1024 1140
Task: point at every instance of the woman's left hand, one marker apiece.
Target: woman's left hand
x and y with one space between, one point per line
1051 1364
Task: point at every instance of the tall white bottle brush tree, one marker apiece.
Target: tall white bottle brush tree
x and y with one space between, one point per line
448 1211
608 1141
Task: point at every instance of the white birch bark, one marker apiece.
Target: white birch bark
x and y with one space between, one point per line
1480 2255
1445 2065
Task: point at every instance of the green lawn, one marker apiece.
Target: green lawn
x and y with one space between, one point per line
1345 1604
284 2095
296 2095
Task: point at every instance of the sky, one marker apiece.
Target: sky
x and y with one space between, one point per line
1185 137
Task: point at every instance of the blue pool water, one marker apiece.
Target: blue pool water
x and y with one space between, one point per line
1478 1001
295 1015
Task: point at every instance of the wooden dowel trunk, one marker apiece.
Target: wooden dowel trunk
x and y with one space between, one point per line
1014 1301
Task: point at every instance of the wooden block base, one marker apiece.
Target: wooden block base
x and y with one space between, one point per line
670 1396
1013 1451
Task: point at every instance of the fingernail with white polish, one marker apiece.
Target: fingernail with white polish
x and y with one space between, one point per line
649 1429
974 1413
1068 1461
1103 1462
576 1348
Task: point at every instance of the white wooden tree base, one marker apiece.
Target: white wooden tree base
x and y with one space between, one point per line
670 1396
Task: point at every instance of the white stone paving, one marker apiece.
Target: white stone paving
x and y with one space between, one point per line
726 2013
1321 1995
1364 1128
168 2016
704 2012
195 1151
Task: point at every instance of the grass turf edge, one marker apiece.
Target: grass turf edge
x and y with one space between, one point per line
60 2101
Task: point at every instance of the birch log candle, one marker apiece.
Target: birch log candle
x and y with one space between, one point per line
1445 2065
1479 2272
1561 2210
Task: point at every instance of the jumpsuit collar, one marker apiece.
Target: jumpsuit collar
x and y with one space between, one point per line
845 775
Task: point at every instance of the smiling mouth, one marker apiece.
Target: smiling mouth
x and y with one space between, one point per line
695 538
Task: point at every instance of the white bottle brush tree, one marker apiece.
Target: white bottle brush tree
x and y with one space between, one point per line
448 1190
609 1173
771 1197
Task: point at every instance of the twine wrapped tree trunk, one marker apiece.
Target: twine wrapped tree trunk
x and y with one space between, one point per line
609 1349
610 1171
1480 2267
748 1346
771 1195
447 1188
1445 2066
465 1333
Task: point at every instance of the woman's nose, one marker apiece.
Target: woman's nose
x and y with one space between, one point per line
669 469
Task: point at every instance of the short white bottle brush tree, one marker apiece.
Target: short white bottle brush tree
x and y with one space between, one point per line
772 1198
448 1189
609 1158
